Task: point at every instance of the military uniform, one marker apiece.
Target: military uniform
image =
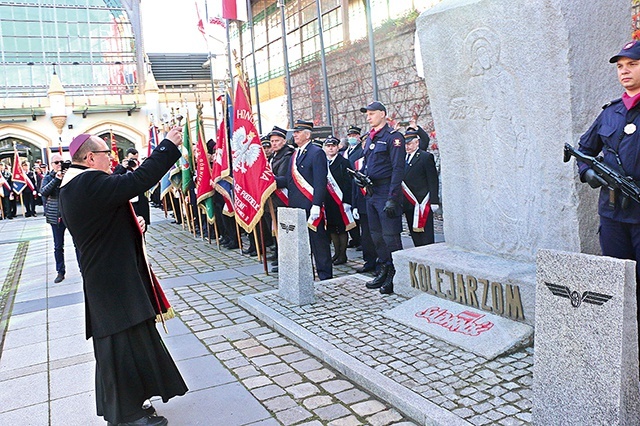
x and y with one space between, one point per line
421 179
384 154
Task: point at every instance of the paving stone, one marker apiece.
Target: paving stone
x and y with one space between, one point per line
276 369
367 408
268 392
302 390
280 403
306 365
352 396
335 386
320 375
384 418
288 379
246 343
265 360
256 382
246 371
255 351
292 415
345 421
332 412
284 350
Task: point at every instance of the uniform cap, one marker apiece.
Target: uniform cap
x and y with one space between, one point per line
629 50
278 131
374 106
410 134
303 125
331 140
77 142
354 130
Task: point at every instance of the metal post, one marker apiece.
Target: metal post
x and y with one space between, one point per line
229 56
255 70
324 65
287 74
213 82
372 51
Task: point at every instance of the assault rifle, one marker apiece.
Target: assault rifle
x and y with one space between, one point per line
362 180
614 180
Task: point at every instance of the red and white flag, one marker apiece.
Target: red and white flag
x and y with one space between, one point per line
234 9
253 180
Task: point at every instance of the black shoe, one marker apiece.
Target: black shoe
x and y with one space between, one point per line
379 280
366 268
273 256
233 246
274 263
340 260
145 421
274 269
387 287
249 251
149 409
59 278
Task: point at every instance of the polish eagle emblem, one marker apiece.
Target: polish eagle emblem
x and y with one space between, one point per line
244 153
575 297
218 157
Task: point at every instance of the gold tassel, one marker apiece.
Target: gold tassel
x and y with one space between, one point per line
171 313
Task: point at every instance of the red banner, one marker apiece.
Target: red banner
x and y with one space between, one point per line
252 176
220 168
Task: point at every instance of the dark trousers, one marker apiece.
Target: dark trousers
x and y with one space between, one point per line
58 246
385 231
354 233
622 241
29 202
368 249
6 206
321 250
420 238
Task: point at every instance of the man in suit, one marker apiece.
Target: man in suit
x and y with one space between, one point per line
306 182
420 189
353 153
122 296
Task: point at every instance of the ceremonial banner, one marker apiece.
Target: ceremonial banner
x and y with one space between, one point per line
234 9
187 158
153 139
19 179
114 151
204 184
221 167
252 176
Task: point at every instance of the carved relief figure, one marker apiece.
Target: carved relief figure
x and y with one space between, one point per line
490 108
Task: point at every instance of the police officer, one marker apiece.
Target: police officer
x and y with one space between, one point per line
306 182
420 182
384 164
616 133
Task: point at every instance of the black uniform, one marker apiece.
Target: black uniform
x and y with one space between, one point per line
421 178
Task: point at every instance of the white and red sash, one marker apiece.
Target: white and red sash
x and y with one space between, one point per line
420 209
307 191
337 195
283 195
30 184
4 183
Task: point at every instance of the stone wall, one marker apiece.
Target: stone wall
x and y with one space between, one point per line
350 85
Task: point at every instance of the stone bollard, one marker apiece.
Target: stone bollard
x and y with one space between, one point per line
295 272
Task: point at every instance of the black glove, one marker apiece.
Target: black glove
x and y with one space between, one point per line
592 178
390 208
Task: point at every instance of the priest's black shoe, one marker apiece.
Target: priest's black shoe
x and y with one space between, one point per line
380 278
366 268
387 287
144 421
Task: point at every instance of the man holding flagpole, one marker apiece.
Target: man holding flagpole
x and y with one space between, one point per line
123 298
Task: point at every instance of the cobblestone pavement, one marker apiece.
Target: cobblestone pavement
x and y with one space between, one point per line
297 387
289 382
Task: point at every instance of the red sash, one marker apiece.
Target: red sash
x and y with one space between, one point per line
337 195
283 195
306 189
420 209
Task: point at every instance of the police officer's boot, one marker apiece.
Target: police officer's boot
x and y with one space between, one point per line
387 287
380 278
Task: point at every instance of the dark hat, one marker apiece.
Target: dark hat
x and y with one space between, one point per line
354 130
278 131
303 125
77 142
374 106
410 134
264 140
317 142
211 146
331 140
629 50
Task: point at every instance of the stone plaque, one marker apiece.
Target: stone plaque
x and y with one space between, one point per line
479 332
586 341
295 272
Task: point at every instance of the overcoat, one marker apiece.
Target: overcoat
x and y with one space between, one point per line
421 176
95 207
311 163
338 170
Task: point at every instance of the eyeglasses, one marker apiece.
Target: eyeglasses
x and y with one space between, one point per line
106 151
56 162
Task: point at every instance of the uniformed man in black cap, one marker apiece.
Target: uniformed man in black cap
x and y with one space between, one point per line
384 154
353 153
307 187
420 189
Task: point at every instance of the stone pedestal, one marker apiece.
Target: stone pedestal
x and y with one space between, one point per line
295 272
586 341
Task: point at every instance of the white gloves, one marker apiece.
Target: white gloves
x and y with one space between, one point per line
436 208
315 213
355 214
